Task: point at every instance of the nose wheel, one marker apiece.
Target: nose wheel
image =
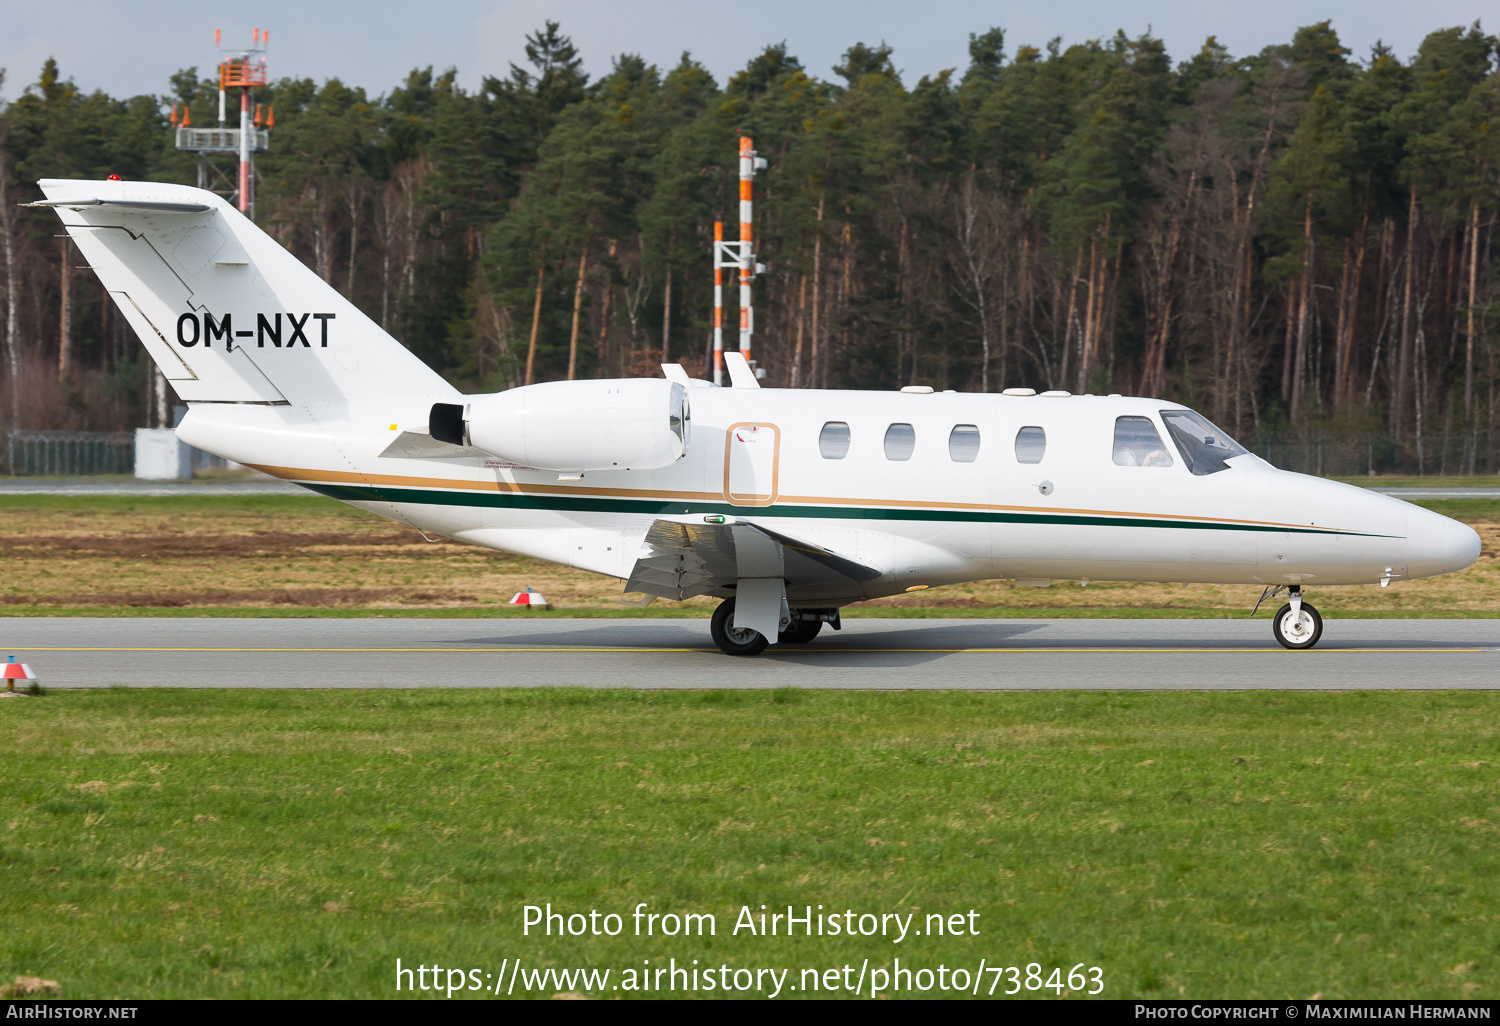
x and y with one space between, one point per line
1297 624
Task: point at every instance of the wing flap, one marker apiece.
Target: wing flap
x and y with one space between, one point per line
683 560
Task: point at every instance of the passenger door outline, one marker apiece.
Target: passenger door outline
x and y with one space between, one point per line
744 457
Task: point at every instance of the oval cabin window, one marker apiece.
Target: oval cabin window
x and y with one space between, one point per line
1031 445
963 443
833 441
900 440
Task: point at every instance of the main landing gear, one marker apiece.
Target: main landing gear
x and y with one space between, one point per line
732 640
745 641
1297 624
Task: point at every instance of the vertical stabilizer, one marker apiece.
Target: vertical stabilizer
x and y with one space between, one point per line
227 314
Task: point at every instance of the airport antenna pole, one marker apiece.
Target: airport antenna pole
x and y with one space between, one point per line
245 151
718 304
747 254
221 85
739 255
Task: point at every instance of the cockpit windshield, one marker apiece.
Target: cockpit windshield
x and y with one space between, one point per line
1204 447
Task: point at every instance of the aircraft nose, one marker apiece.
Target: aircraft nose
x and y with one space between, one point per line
1437 544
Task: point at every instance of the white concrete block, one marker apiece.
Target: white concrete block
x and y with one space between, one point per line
161 456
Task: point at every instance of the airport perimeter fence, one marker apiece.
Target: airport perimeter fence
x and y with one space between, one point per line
1342 455
69 453
82 454
86 453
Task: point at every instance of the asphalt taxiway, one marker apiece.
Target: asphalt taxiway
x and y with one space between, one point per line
674 653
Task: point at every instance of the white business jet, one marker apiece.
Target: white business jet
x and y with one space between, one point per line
787 504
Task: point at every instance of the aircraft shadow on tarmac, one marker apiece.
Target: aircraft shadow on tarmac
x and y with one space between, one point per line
694 634
926 641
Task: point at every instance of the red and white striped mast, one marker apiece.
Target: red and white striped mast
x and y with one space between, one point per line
740 255
245 70
719 266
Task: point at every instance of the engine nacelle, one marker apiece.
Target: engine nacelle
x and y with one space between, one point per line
574 426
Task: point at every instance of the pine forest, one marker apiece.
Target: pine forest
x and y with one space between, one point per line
1300 243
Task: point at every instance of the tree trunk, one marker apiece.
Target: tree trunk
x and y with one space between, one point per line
1090 324
1473 298
1067 354
1023 282
984 334
104 329
160 383
609 306
1107 317
1403 358
1344 304
12 299
903 275
1346 386
1289 346
1299 362
322 238
1387 241
847 291
65 334
814 374
801 325
354 206
666 319
583 263
385 286
536 320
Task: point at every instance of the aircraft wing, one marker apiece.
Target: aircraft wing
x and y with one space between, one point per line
684 560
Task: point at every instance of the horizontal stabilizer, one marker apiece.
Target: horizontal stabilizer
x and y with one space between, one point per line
171 208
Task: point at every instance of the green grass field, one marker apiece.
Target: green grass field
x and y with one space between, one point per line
295 844
308 556
1429 481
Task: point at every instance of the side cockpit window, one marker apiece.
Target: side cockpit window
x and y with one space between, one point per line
833 440
1203 446
1031 445
1137 444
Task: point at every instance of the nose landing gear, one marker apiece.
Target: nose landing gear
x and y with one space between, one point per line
1297 624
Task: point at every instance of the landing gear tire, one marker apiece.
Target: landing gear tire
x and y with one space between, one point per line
800 632
1297 632
735 641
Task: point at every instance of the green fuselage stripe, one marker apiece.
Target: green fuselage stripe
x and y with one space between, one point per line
660 507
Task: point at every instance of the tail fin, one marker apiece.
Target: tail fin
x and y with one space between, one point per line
226 312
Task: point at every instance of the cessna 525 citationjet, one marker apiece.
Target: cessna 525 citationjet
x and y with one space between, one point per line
787 504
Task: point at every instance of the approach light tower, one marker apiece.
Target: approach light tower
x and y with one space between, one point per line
243 70
740 255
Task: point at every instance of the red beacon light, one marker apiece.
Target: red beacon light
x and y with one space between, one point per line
113 178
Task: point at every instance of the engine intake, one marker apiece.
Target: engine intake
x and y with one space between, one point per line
574 426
